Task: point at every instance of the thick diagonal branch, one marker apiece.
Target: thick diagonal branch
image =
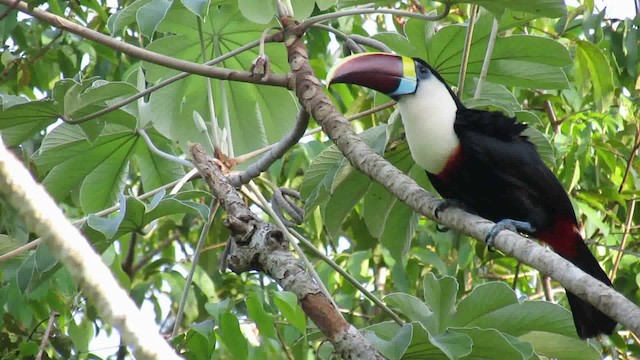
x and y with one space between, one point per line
258 245
311 94
44 217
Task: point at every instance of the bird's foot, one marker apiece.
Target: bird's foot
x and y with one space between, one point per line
445 204
507 224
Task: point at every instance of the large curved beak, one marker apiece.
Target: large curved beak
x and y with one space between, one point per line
392 75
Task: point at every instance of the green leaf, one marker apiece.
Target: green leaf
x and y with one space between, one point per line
263 319
440 296
21 121
325 4
541 8
377 206
287 303
81 334
156 171
151 14
232 337
395 347
592 60
121 19
200 7
560 347
202 280
99 92
486 341
259 115
99 168
302 9
518 60
344 198
261 12
108 226
410 306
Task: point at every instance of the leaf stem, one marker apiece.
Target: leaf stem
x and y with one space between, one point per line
467 49
362 11
212 108
213 209
487 58
143 134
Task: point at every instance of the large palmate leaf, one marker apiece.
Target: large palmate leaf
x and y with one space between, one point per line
518 60
490 317
258 114
98 169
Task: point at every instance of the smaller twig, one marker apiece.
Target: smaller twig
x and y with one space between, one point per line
419 6
353 47
250 155
367 41
362 11
9 9
553 119
127 264
194 264
47 332
215 132
261 65
275 152
168 81
516 276
280 202
348 277
506 276
33 244
287 351
161 153
309 267
614 248
487 58
632 156
625 235
467 50
546 288
147 257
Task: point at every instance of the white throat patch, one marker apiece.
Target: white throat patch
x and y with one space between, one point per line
428 116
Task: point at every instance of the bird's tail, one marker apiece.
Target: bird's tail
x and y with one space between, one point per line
589 321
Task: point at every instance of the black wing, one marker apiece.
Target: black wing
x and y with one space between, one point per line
499 173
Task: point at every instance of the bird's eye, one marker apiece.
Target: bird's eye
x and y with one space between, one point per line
423 71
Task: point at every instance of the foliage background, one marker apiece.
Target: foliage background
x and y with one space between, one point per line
575 61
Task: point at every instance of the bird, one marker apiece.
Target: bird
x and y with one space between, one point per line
482 161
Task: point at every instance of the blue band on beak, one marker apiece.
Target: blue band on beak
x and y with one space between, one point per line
407 86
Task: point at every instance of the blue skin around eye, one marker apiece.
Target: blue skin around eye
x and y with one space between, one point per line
407 86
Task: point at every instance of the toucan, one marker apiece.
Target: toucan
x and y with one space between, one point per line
481 160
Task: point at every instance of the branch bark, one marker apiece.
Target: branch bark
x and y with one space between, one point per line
150 56
67 244
312 96
258 245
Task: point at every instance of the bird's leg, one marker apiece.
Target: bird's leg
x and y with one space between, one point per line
507 224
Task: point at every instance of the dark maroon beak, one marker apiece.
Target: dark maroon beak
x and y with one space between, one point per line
392 75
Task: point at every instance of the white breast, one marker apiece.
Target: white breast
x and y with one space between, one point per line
428 116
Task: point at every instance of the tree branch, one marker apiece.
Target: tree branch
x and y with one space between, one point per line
67 244
311 94
257 245
150 56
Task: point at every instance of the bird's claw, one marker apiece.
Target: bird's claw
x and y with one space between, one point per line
445 204
506 224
